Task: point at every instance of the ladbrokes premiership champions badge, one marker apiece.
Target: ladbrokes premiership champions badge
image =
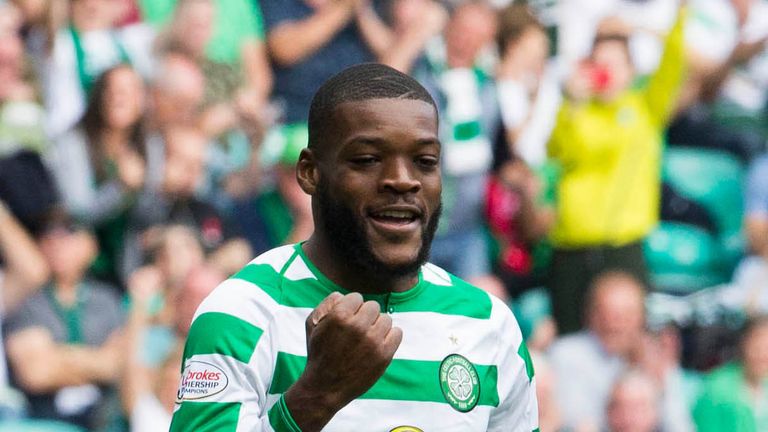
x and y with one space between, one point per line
459 382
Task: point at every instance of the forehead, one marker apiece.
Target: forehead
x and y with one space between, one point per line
386 118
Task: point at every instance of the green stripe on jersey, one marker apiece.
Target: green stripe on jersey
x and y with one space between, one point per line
522 351
206 416
460 298
220 333
404 380
264 276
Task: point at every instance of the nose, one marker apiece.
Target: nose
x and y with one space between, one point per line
398 176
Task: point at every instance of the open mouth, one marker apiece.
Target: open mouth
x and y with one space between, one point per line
395 217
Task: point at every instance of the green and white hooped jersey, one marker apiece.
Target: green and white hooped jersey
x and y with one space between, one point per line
462 365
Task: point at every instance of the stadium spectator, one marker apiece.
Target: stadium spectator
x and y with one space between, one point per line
607 141
550 418
149 381
64 343
528 84
735 395
414 24
517 221
177 254
310 40
281 212
176 94
465 93
528 95
632 406
230 35
172 199
752 274
588 362
232 98
22 272
106 149
21 117
726 50
84 48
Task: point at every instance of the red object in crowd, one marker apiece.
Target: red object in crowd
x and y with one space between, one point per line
131 15
502 209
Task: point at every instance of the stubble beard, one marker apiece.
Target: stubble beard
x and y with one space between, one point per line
347 237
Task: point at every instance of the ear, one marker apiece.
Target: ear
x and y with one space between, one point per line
307 171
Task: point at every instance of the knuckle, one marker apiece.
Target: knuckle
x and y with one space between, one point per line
354 298
385 321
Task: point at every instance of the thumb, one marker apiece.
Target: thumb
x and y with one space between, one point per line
324 308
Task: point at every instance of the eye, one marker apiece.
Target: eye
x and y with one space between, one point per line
427 161
364 160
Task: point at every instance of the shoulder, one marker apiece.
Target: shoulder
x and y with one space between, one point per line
32 305
253 293
572 347
103 291
728 375
454 296
720 384
34 311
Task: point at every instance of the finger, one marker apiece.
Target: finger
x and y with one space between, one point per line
368 313
348 305
381 327
392 341
325 307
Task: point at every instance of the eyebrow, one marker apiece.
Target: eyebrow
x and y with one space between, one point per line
376 141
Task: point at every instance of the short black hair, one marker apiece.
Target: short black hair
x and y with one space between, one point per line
359 83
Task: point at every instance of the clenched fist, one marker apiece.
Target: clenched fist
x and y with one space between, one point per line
349 346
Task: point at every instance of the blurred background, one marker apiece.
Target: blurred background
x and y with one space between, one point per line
604 164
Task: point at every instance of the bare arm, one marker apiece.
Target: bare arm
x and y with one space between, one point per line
742 53
375 32
42 365
26 269
231 256
757 235
292 42
257 70
408 46
135 379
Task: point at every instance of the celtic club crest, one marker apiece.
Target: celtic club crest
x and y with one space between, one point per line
459 383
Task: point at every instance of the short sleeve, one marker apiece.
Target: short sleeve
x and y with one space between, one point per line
27 315
276 12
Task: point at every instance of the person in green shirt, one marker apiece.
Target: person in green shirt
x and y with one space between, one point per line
735 396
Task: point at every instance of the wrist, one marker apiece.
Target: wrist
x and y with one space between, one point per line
280 417
310 407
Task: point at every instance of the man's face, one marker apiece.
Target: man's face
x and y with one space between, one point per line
378 192
756 353
470 29
617 316
632 407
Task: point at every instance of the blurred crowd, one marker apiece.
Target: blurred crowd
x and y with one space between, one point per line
605 172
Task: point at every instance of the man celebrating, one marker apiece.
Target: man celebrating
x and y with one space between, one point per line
351 330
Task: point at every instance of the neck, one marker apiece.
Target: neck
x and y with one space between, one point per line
113 140
351 277
66 290
754 380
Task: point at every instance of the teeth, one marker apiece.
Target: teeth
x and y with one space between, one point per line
396 214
